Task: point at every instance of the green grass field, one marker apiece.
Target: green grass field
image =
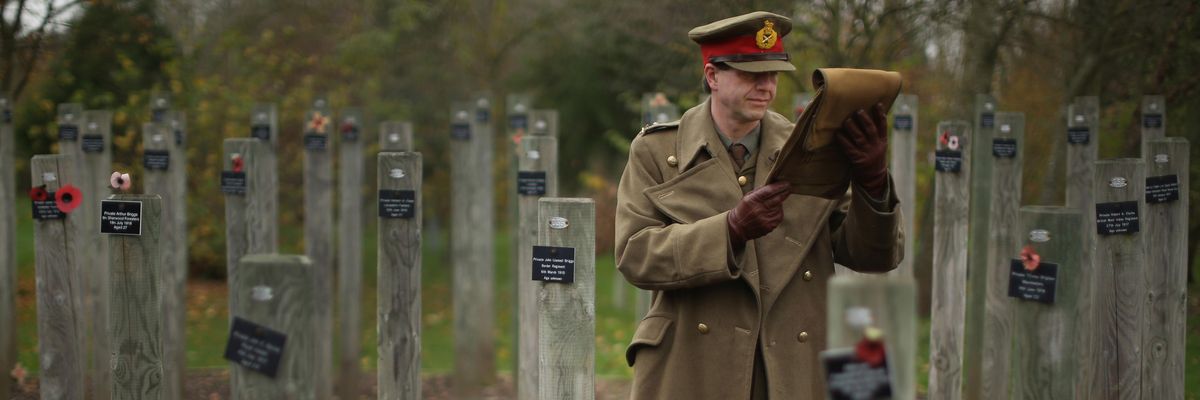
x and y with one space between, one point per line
208 320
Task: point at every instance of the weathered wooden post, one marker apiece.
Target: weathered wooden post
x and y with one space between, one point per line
350 219
1083 117
977 256
133 224
264 126
1120 285
160 105
8 247
70 115
273 338
1154 120
395 136
949 299
399 181
1166 241
892 306
160 157
904 172
518 106
537 177
472 238
58 320
248 180
565 263
1003 239
318 237
96 155
1044 294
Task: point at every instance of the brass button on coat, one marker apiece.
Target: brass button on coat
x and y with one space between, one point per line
808 275
702 328
802 337
672 161
742 180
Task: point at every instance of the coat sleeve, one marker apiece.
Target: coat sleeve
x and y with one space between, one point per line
867 233
655 253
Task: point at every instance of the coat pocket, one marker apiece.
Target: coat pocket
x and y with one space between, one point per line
650 333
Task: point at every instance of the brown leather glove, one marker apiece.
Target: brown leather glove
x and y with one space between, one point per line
759 213
864 141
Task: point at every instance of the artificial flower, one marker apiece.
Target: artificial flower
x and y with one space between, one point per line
1030 258
67 198
870 351
38 193
238 163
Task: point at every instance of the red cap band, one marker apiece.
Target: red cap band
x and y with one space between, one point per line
742 48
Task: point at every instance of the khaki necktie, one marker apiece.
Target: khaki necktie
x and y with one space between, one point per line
738 152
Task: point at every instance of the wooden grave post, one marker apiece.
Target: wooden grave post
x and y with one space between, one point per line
1044 346
537 177
95 150
904 172
350 248
472 243
395 136
318 235
159 159
1003 240
1120 284
59 287
248 181
949 299
160 105
8 246
567 310
517 108
1166 241
1154 120
70 115
1083 123
892 303
277 292
399 180
977 242
138 367
264 126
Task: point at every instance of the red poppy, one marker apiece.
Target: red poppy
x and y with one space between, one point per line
870 352
38 193
67 198
318 122
237 162
516 138
1030 258
945 138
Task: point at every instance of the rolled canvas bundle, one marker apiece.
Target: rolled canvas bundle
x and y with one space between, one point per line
810 159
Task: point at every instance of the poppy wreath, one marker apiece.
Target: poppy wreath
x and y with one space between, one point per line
67 198
38 193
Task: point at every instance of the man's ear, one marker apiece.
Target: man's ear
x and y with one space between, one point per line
710 75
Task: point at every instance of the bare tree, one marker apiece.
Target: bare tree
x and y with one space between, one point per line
24 27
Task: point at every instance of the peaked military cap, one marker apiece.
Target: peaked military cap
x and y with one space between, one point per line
750 42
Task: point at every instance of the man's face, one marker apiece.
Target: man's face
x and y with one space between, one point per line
746 95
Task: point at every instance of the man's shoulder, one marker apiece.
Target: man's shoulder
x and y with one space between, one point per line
659 127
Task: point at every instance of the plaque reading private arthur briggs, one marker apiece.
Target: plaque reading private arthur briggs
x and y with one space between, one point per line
120 217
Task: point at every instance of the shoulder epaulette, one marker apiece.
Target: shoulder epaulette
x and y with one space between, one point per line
658 127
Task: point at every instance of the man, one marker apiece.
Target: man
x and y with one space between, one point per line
738 266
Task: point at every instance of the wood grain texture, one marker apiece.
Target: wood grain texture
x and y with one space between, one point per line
135 331
1084 112
472 236
95 186
893 305
8 249
318 241
290 308
349 253
1044 347
1166 241
70 115
540 154
949 297
399 283
979 230
58 289
395 136
251 220
903 168
173 274
1120 291
567 311
1003 241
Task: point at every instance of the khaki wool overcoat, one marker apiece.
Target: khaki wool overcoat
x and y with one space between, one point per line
710 306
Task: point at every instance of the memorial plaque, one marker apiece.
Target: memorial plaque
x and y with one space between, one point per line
482 115
350 133
178 137
1117 218
903 123
1079 135
121 217
260 132
987 120
92 144
315 141
531 183
255 347
1162 189
68 132
1037 285
1152 120
47 209
397 204
1004 148
519 121
948 161
849 378
460 131
233 182
158 114
553 264
158 160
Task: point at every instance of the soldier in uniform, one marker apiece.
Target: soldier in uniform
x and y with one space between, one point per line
738 266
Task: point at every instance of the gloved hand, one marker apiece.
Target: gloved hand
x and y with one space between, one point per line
759 213
864 142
